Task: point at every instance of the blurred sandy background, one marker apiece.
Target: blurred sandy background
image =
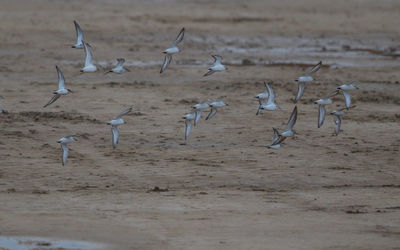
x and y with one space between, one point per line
223 189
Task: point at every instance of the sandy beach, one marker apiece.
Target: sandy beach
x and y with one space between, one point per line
222 188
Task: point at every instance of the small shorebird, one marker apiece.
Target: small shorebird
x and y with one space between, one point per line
321 108
288 132
343 89
79 36
216 66
262 100
302 80
89 66
61 88
172 50
214 106
337 118
119 68
292 121
64 146
276 138
189 117
270 104
199 108
114 126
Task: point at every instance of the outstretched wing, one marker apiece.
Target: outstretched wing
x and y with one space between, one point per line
292 119
276 135
217 58
115 134
211 114
53 99
338 122
321 115
126 111
197 117
179 38
332 94
209 72
278 139
314 69
348 108
347 99
300 91
88 54
188 128
259 110
120 61
61 80
271 94
64 148
167 60
79 33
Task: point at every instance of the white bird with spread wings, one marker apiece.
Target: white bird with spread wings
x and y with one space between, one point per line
172 50
114 126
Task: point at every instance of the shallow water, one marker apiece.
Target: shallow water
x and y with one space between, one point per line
28 243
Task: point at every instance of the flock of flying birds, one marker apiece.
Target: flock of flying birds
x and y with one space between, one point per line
266 99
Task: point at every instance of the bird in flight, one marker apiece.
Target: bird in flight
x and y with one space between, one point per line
288 132
214 106
189 117
79 36
61 88
89 66
172 50
64 146
114 126
216 66
119 68
302 80
344 88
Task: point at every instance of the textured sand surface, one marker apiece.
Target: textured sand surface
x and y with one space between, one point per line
222 189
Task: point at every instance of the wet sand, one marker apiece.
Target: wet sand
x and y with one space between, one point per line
222 189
